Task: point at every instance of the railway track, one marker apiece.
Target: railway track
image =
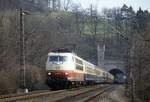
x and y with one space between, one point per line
65 95
86 96
98 93
27 96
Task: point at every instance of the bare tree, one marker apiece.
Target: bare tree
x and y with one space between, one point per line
66 4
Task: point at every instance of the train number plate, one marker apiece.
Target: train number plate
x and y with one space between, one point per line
57 67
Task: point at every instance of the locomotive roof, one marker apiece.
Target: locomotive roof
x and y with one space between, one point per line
61 53
71 53
62 50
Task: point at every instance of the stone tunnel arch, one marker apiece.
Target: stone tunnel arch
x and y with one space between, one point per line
115 71
119 75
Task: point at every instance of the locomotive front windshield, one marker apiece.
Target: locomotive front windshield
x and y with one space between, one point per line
57 58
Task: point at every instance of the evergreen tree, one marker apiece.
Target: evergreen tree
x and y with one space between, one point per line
141 18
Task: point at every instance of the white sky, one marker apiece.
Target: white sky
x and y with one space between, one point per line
144 4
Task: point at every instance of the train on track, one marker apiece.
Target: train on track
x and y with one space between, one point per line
66 69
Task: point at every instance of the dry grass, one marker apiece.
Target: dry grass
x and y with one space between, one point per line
9 78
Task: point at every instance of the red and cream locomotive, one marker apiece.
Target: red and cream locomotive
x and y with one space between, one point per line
65 69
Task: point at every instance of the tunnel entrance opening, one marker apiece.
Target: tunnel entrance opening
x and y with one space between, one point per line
119 76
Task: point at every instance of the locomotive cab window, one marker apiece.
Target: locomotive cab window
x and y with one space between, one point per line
57 58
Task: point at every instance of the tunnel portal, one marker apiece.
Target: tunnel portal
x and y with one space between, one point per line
119 76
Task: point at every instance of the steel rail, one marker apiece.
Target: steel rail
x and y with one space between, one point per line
30 95
87 99
71 97
47 94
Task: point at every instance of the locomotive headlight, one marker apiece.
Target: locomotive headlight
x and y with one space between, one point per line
66 73
49 73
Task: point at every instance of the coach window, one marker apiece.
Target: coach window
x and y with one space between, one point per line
79 67
97 72
103 74
79 64
89 69
79 61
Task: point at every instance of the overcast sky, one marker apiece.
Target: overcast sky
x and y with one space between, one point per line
144 4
